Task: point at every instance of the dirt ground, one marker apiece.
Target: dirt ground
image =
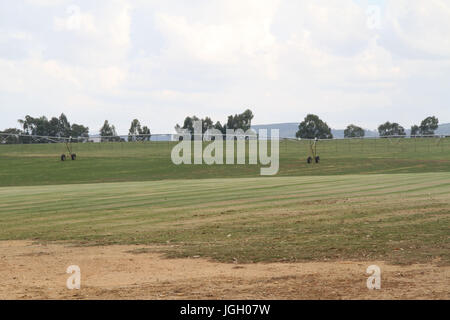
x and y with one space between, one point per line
36 271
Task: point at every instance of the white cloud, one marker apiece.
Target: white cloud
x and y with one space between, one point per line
46 2
422 27
98 36
76 21
89 50
161 61
338 27
238 34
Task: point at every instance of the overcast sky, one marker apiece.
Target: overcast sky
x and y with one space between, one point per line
349 61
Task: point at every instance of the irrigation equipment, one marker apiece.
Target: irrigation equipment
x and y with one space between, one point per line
26 139
70 154
313 152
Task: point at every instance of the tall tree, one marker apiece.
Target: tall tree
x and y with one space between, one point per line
238 121
388 129
56 127
12 137
146 133
414 130
429 125
313 127
135 128
79 131
246 119
188 124
64 126
138 133
27 127
353 131
108 132
35 126
218 126
207 124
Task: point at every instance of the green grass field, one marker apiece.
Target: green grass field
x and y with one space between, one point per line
24 165
372 199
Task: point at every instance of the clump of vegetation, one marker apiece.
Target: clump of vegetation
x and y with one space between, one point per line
313 127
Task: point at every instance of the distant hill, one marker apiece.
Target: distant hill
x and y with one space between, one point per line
444 129
288 130
339 133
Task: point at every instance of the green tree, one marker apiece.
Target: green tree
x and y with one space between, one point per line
146 133
218 126
245 120
12 136
108 132
388 129
353 131
29 127
429 125
188 124
313 127
138 133
64 126
414 130
135 128
56 127
207 124
35 126
79 131
24 126
240 121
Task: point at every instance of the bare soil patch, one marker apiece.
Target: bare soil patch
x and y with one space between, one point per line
37 271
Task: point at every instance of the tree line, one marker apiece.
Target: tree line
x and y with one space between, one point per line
310 128
43 130
137 132
43 127
60 127
238 121
313 127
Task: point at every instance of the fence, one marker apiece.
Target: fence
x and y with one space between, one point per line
161 145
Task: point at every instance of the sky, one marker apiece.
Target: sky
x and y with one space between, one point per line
348 61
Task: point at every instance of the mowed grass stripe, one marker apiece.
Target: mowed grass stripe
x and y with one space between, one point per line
184 193
252 219
63 206
97 204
